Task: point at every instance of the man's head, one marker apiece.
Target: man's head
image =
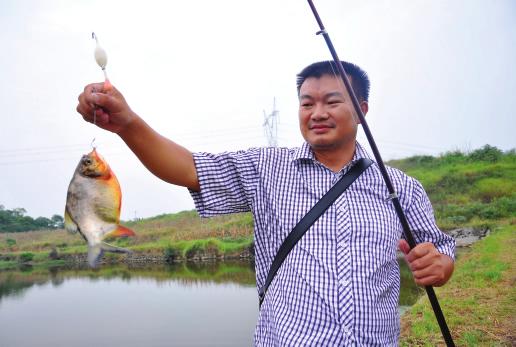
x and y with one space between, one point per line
359 80
327 118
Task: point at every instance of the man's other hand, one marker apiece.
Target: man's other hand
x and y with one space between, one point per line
428 266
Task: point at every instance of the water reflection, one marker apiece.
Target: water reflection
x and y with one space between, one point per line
180 305
185 304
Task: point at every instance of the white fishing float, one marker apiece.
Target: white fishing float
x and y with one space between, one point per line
101 59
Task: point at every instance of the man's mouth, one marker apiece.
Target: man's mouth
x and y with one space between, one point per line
320 128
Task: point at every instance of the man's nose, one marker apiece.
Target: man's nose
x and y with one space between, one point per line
319 112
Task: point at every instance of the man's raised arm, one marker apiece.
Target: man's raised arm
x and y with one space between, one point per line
163 157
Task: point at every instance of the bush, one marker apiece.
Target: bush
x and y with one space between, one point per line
53 254
26 257
194 251
487 153
10 242
171 254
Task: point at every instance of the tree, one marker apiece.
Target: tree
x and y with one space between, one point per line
57 221
15 220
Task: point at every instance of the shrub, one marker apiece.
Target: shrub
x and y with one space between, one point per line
193 251
10 242
171 254
26 257
53 254
486 153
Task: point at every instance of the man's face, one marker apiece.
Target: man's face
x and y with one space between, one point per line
326 116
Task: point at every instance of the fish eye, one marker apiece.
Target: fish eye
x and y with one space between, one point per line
87 161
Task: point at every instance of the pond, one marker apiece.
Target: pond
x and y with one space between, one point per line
210 304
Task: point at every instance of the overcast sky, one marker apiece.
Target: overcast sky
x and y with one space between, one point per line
203 73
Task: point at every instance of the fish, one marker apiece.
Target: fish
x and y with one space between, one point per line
93 204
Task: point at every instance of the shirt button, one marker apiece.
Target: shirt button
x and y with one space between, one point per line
344 282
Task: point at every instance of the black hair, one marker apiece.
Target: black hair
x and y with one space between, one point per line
359 79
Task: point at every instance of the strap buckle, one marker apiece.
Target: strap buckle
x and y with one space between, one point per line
393 195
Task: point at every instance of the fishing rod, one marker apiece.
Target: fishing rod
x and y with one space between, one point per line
393 196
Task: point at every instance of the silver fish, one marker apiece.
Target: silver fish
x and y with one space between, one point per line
93 206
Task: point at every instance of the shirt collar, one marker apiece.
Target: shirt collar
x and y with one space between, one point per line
305 152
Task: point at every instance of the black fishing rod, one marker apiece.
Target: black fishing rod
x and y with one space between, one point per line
393 196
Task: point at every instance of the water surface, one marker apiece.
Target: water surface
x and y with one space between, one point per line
182 305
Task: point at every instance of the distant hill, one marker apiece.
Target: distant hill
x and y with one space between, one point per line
472 189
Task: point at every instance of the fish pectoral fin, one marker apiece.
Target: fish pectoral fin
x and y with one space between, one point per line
121 231
110 248
94 255
69 224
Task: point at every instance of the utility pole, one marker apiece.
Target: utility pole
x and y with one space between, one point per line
270 126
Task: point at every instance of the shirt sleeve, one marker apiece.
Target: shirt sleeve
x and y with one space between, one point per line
227 180
420 216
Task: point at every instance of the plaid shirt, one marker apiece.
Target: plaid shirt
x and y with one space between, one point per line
339 286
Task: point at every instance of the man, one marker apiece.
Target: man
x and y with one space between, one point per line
339 285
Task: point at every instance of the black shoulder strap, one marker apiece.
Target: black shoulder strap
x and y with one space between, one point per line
306 222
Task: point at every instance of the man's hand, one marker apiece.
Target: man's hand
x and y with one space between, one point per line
111 110
105 105
428 266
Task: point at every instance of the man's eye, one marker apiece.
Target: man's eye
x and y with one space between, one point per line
306 105
332 102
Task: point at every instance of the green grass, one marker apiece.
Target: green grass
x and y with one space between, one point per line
181 235
479 302
475 190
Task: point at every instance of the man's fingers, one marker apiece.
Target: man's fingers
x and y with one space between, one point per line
420 251
427 281
428 277
94 87
404 246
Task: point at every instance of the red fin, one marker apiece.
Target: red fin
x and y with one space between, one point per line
121 231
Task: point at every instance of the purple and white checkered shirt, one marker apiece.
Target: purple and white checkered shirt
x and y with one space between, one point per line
339 286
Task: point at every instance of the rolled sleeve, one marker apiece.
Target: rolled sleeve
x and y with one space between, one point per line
420 216
227 182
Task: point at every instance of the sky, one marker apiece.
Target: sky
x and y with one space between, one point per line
204 73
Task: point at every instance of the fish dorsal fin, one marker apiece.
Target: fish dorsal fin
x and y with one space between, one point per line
121 231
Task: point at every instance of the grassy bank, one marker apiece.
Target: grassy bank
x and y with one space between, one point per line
476 189
479 302
173 237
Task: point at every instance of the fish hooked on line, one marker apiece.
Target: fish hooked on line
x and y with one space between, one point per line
93 205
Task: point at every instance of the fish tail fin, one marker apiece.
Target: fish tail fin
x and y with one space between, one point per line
110 248
96 252
94 255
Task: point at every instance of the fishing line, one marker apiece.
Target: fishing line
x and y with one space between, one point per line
101 59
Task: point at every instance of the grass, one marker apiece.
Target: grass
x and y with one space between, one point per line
479 302
182 235
476 189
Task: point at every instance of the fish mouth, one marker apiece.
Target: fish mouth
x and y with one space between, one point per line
91 173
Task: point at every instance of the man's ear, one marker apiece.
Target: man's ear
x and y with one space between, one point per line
364 106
